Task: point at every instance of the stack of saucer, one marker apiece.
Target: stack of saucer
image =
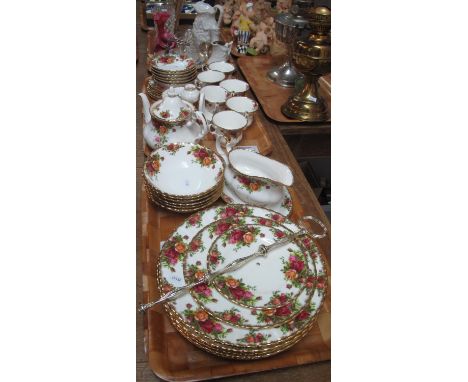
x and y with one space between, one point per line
183 177
168 70
257 310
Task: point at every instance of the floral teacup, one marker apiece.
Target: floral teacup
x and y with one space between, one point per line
228 126
243 105
215 98
235 87
209 77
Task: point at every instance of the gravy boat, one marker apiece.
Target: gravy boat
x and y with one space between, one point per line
254 178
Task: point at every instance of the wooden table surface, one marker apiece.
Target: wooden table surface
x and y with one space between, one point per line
319 372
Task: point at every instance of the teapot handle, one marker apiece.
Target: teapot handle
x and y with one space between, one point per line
204 129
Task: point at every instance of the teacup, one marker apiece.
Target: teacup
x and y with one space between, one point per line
223 67
235 87
215 97
244 105
209 77
228 126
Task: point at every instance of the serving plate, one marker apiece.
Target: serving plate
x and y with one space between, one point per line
172 63
202 261
187 312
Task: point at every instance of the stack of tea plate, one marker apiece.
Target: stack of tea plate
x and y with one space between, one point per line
260 309
183 177
170 69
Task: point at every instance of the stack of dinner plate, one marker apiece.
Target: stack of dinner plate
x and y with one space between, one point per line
168 70
258 310
183 177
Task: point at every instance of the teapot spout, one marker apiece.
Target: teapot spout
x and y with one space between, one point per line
146 107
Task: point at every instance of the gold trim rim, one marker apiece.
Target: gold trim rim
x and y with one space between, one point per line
184 202
185 197
169 308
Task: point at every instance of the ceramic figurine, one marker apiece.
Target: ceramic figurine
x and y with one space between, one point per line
245 22
263 38
282 6
228 12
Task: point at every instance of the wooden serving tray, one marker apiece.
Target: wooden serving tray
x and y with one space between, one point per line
270 95
255 135
171 356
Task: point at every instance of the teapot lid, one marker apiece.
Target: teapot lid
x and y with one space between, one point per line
172 108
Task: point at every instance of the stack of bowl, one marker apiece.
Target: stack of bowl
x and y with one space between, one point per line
169 70
183 177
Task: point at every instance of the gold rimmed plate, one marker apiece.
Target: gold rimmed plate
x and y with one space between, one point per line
180 244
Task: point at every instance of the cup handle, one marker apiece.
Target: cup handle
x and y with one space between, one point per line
218 135
201 102
319 222
204 130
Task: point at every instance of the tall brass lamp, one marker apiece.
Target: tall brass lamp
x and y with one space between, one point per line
311 57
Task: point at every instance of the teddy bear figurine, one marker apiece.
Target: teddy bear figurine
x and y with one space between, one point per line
228 12
263 38
283 6
259 41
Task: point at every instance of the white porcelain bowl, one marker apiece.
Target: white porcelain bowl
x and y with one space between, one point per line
184 169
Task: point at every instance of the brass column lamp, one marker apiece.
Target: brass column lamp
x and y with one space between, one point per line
312 57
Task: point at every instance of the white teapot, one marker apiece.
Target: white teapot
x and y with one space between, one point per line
205 26
191 129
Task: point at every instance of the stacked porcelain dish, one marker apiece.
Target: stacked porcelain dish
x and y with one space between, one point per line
264 307
183 177
168 70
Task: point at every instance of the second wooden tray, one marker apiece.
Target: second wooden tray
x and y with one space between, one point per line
255 135
270 95
171 356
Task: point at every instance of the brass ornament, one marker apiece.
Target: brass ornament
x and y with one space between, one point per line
312 57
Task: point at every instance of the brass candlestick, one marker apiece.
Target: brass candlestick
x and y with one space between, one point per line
288 26
311 57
